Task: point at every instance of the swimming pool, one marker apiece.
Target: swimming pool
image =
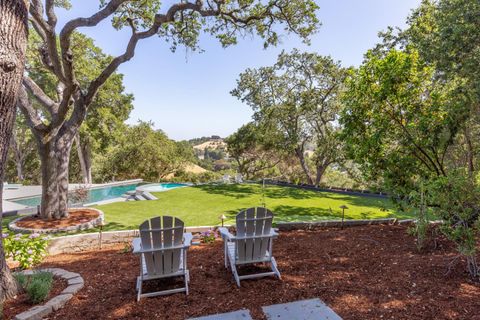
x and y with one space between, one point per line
94 194
160 187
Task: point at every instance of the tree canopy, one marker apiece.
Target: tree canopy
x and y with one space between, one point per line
297 99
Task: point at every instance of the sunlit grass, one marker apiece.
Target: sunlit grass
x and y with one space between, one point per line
203 205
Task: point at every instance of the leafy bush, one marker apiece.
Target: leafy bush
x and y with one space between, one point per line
417 204
37 286
27 249
208 236
205 177
456 199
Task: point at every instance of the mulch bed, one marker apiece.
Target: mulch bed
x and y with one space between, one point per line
20 304
75 217
368 272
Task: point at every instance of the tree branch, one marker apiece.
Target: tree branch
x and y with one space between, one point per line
72 25
38 93
30 113
52 18
50 40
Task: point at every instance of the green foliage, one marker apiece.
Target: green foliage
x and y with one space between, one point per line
224 20
296 101
142 152
399 120
106 114
37 286
26 249
446 33
204 177
252 148
456 200
209 236
23 165
418 204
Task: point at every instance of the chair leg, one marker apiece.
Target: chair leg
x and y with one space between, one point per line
139 287
275 268
187 279
235 273
225 253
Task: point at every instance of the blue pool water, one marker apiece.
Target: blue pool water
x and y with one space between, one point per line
94 195
159 187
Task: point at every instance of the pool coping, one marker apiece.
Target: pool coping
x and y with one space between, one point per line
34 209
184 185
89 187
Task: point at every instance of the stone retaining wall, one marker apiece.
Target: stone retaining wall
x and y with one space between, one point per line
285 226
80 242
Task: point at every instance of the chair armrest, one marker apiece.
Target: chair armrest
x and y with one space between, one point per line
274 233
226 235
187 239
137 245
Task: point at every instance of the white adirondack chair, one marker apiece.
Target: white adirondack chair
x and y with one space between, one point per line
251 244
162 247
226 178
238 178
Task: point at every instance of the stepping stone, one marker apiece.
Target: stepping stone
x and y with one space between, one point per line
236 315
313 309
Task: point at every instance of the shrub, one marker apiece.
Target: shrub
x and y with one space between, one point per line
26 249
456 199
208 236
417 204
37 286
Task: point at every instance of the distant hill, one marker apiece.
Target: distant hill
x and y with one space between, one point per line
197 141
211 144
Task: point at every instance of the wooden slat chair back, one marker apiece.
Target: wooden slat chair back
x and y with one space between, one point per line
252 242
162 233
253 234
163 252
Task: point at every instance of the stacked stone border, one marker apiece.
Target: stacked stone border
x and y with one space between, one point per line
75 283
83 226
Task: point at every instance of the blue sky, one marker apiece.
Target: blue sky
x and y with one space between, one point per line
187 94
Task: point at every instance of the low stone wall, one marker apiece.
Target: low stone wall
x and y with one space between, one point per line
80 242
286 226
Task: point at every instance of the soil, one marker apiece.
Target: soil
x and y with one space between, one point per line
20 304
75 217
367 272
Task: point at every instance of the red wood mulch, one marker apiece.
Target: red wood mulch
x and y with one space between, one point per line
20 304
370 272
75 217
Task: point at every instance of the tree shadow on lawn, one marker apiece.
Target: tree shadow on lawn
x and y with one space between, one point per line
296 214
239 191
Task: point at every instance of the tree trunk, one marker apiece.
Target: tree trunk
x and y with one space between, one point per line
303 163
84 157
54 159
13 44
320 171
48 164
18 156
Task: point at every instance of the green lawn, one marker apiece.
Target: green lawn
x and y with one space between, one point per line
202 205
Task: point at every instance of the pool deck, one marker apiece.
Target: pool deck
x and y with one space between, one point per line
34 191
